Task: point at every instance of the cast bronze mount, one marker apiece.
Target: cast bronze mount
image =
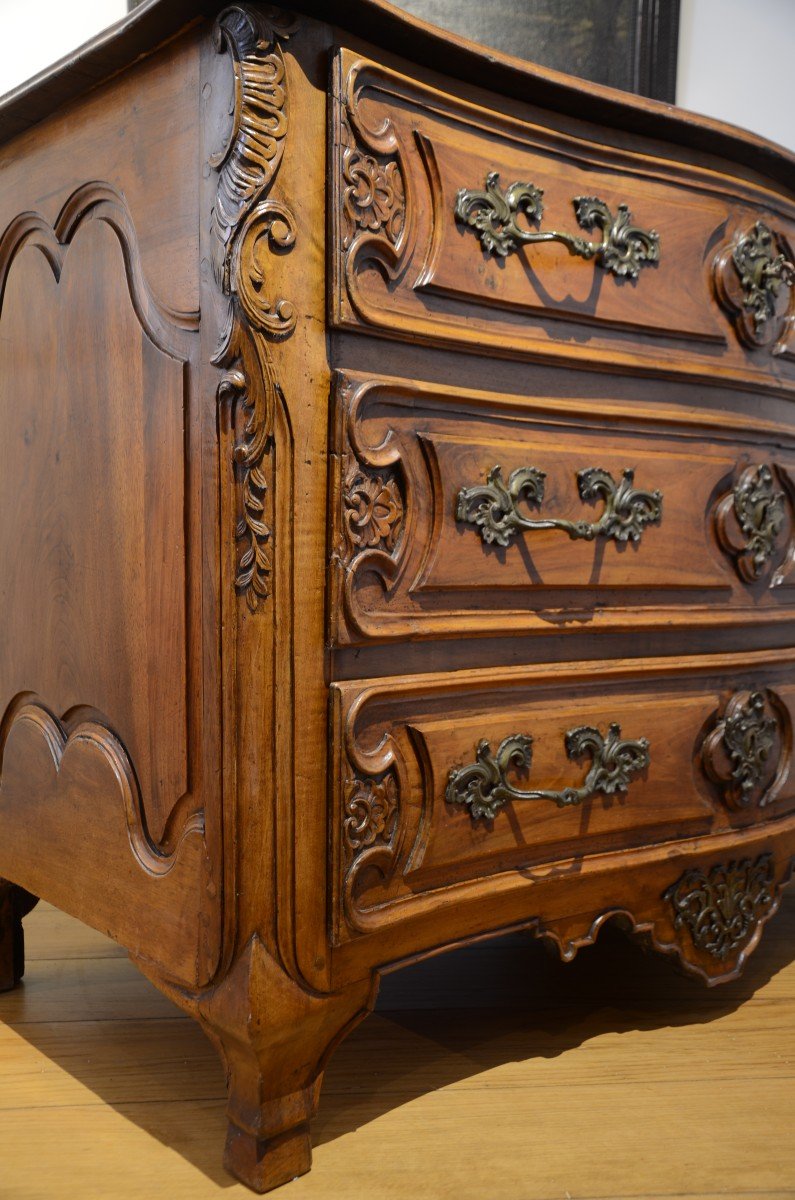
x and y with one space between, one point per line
493 215
493 506
483 785
754 280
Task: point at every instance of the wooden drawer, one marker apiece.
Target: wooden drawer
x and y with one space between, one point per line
430 771
433 196
433 489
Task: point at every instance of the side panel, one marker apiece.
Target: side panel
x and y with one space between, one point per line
105 745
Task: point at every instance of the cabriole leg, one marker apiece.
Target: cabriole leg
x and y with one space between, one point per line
275 1038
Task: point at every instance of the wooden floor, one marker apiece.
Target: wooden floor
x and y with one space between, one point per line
613 1078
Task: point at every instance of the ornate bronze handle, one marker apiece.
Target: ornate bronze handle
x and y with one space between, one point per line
484 788
492 214
492 506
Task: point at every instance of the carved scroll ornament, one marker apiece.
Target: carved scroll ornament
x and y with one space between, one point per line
493 214
493 507
754 280
484 785
247 226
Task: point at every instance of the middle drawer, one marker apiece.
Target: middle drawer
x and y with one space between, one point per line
456 512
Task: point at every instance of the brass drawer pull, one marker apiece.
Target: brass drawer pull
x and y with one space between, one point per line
492 214
484 788
492 506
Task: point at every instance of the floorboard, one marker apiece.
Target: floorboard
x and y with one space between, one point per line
495 1073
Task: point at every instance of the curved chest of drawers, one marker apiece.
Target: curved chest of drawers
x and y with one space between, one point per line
398 534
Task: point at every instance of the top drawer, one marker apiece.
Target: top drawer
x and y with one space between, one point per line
636 260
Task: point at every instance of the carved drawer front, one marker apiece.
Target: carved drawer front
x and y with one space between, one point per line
458 223
457 788
456 511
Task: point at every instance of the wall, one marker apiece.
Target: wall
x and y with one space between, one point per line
736 57
35 33
737 62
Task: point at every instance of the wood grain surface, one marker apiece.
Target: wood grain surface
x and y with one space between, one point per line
579 1085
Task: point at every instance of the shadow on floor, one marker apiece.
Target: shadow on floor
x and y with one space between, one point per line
437 1023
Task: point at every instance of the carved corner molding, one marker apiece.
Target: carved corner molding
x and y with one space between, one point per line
754 523
247 226
754 278
747 751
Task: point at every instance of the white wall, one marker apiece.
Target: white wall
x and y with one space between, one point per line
35 33
737 62
736 57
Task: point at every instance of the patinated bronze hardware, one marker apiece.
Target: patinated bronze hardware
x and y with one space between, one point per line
743 754
492 506
752 274
750 521
484 788
723 908
493 215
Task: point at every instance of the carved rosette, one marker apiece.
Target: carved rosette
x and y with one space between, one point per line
722 909
372 510
754 278
370 834
754 523
247 226
371 809
747 749
374 195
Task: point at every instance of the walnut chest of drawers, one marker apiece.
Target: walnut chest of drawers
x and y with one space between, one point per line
397 522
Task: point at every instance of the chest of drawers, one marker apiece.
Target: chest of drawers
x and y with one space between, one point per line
397 537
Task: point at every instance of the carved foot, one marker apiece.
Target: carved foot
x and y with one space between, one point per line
275 1038
14 905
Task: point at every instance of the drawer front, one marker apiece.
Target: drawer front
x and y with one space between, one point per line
457 223
458 512
481 784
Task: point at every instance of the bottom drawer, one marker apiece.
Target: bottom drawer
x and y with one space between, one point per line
469 788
